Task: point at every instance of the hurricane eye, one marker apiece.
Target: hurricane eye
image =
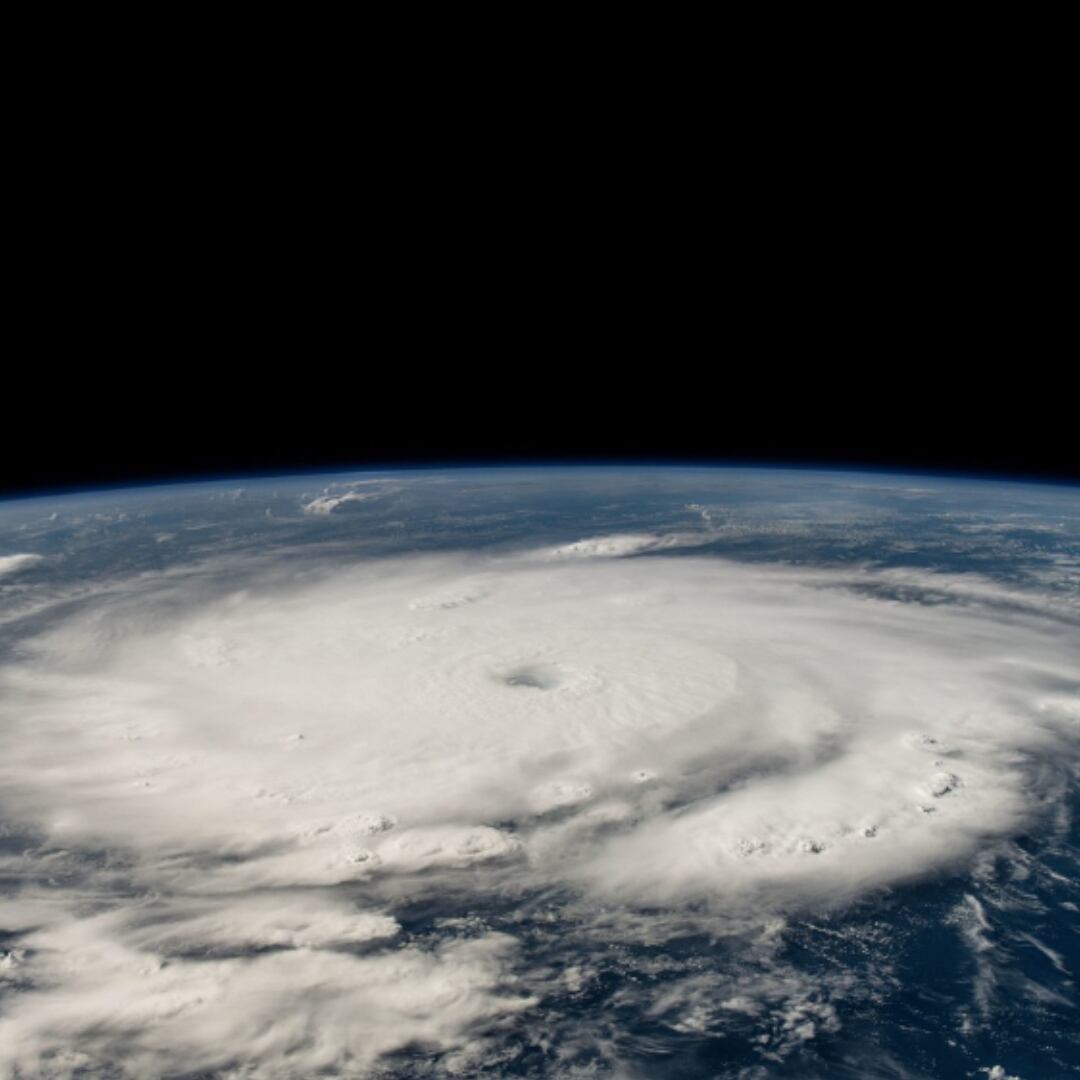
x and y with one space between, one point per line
531 678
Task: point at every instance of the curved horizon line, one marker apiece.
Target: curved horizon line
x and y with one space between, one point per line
465 463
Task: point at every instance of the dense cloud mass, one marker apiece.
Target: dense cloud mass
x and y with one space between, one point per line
231 788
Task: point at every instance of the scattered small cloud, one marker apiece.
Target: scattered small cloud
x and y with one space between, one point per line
12 564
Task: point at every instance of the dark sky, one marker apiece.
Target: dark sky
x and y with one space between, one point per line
176 417
850 279
205 339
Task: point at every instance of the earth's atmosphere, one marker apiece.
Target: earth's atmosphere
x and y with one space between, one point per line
624 772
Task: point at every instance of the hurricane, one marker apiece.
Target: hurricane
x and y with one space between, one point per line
548 773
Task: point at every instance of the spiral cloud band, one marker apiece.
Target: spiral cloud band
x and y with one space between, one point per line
227 794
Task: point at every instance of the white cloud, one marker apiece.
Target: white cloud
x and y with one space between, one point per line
327 504
336 495
296 920
621 545
12 564
277 1015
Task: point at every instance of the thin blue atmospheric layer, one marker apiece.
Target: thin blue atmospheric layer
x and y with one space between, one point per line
726 467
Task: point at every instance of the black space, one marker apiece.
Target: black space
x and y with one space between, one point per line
853 286
203 373
234 367
169 415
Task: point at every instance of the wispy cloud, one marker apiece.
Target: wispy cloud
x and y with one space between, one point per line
12 564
